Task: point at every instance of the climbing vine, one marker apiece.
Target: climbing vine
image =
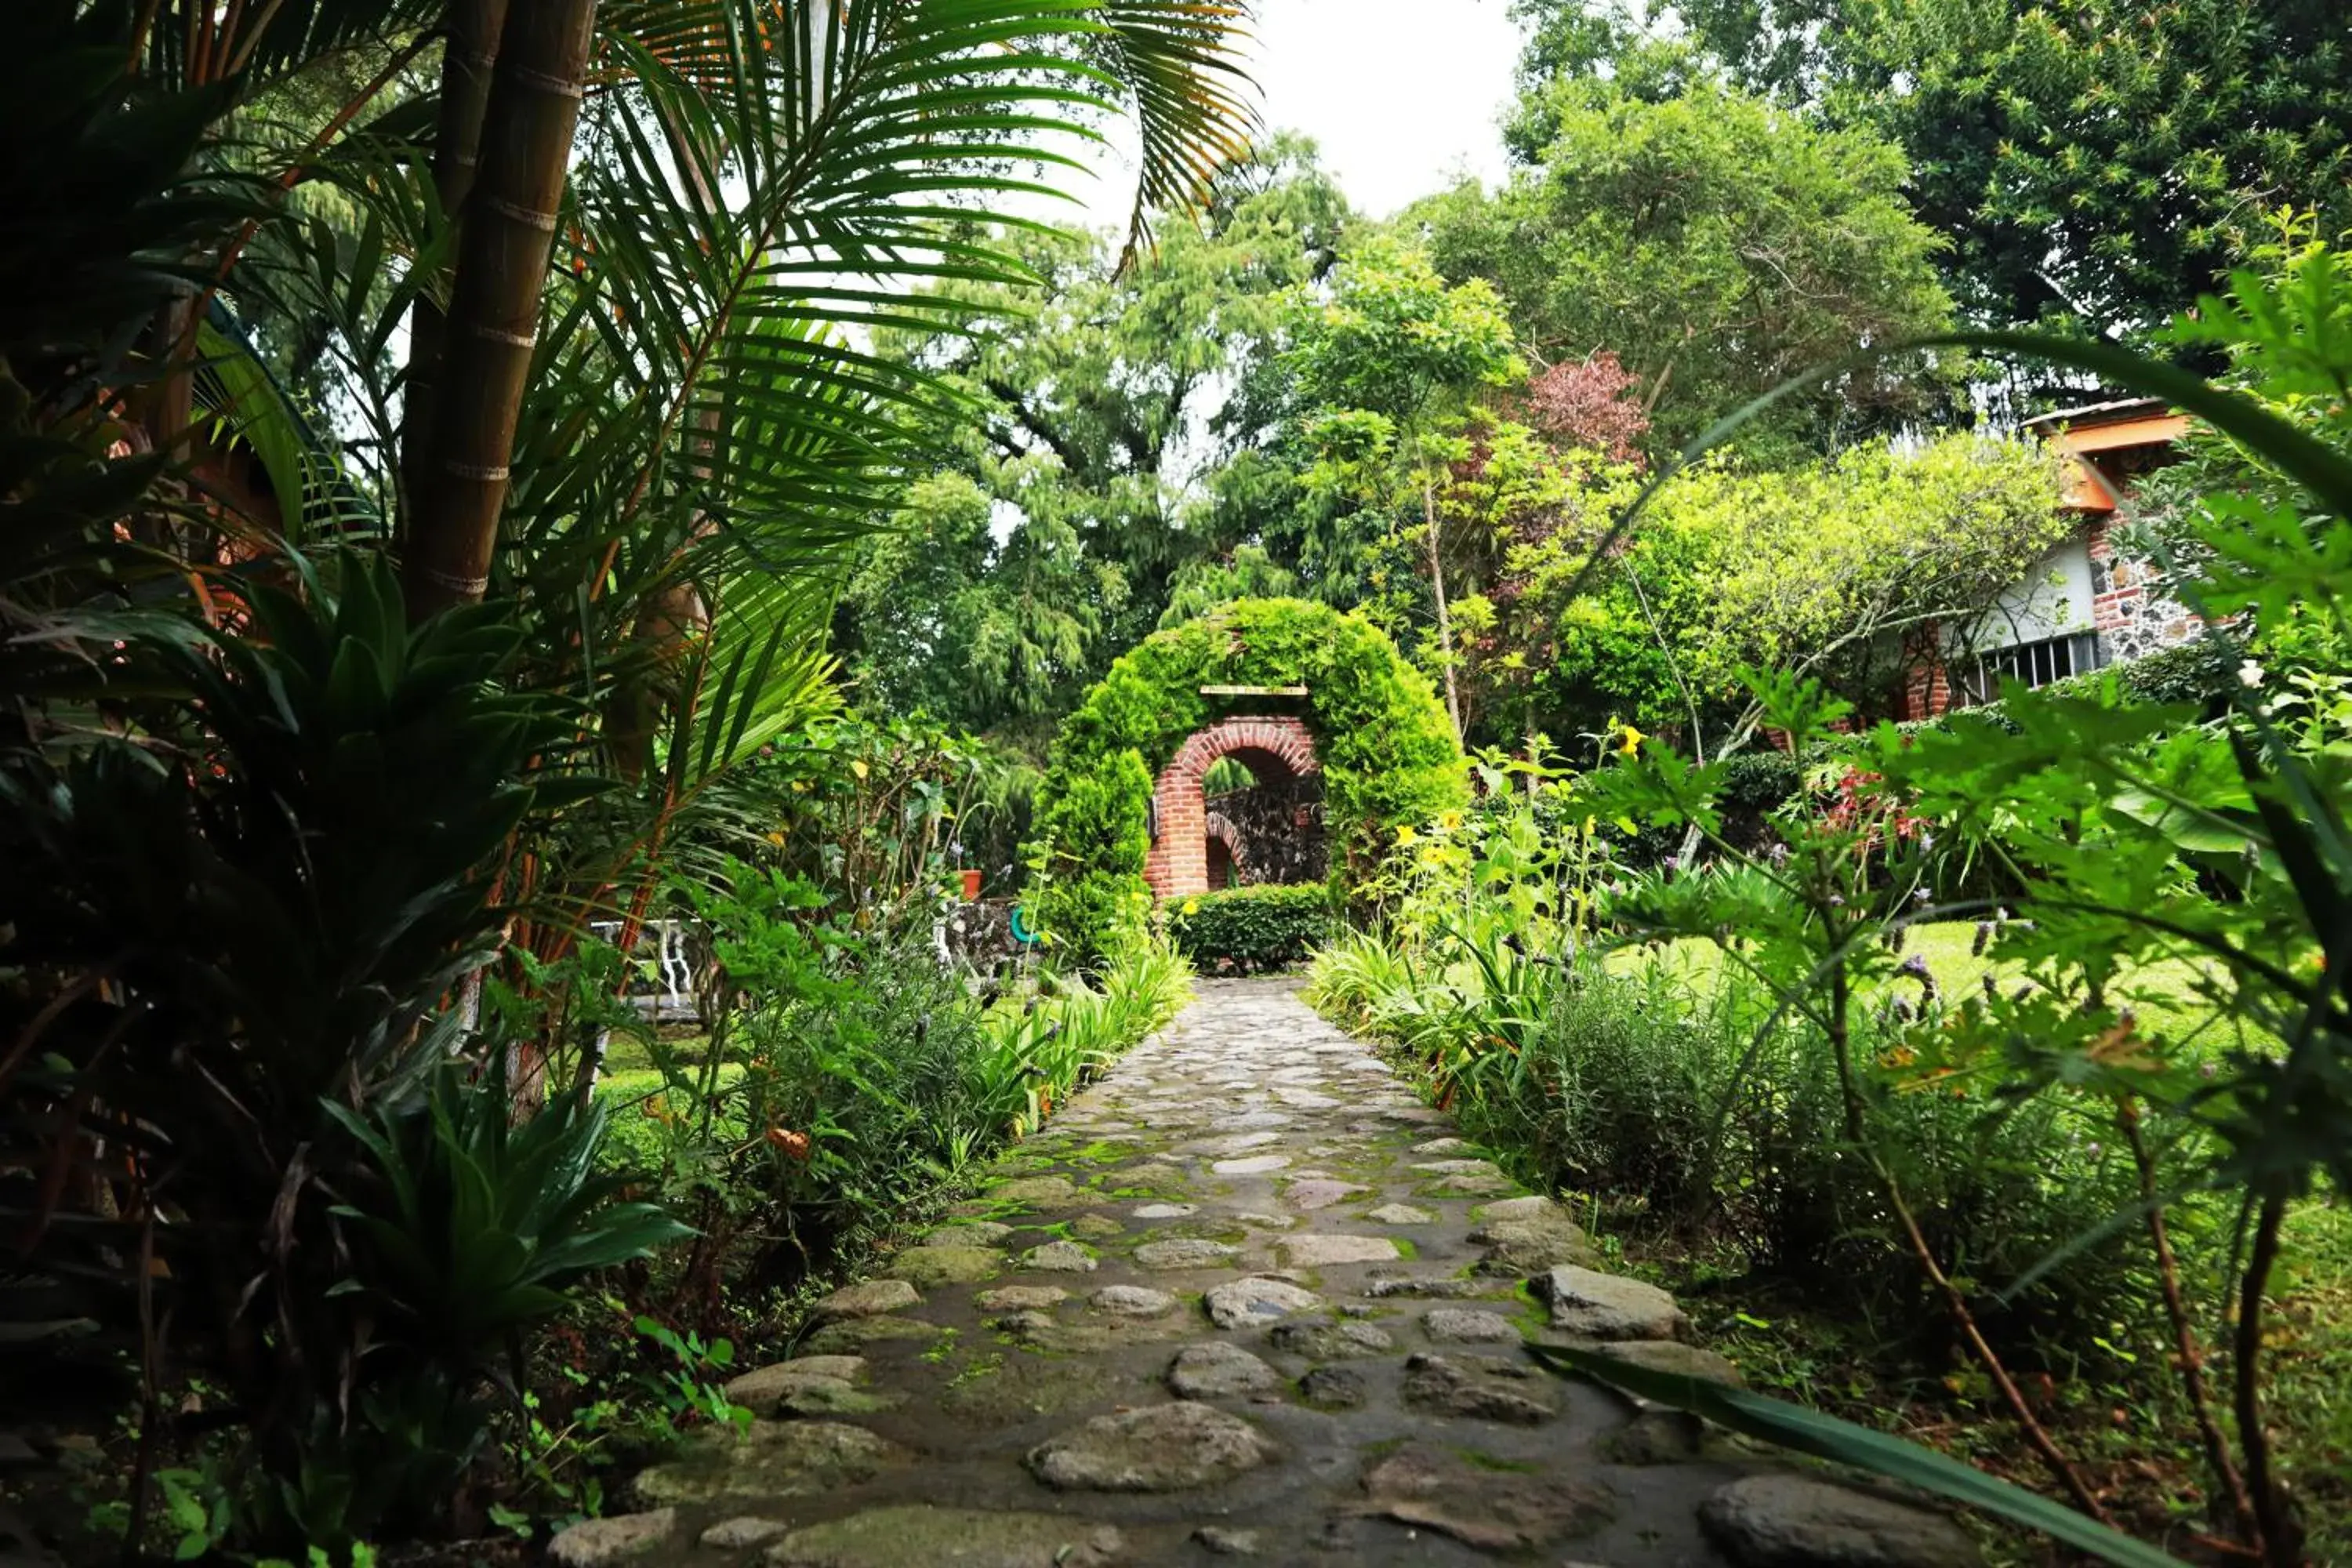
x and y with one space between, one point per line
1388 755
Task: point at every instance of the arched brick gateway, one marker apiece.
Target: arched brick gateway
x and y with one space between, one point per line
1178 865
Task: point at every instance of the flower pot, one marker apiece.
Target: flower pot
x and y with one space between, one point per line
971 887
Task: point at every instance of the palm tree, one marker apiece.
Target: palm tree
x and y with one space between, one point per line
633 257
613 379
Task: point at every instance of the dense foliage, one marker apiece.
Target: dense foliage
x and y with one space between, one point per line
540 541
1388 754
2098 161
1113 454
335 740
1717 245
842 1072
1830 566
2073 1132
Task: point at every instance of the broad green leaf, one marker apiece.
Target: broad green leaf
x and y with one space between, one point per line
1753 1414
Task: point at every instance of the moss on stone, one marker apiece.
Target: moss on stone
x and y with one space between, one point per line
1496 1462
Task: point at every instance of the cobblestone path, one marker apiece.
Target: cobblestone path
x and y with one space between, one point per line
1246 1298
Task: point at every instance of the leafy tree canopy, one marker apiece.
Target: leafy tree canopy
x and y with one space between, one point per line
1821 568
1082 485
1716 244
2101 157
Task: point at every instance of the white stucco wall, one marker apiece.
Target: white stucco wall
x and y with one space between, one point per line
2055 598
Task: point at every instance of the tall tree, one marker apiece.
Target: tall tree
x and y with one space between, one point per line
1387 362
2105 158
1717 245
1088 453
1821 568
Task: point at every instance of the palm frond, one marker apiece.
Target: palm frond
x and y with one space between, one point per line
1194 102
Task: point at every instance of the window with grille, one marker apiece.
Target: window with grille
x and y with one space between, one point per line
2034 663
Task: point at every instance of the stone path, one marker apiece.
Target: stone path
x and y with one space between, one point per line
1247 1297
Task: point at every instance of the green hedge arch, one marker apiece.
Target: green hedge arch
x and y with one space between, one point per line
1389 757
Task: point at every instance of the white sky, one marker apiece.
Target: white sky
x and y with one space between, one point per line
1403 96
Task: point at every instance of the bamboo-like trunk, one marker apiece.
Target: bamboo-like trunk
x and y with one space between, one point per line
502 259
2282 1542
1444 617
469 55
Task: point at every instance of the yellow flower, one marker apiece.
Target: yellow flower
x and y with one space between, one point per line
1449 820
1192 906
1408 834
777 839
1632 743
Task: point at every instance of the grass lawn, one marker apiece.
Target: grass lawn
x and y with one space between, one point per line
638 1105
2163 994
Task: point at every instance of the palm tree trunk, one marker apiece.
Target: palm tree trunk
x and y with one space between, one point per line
468 56
526 145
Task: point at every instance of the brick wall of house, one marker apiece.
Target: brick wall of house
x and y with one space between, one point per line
1927 679
2132 622
1178 865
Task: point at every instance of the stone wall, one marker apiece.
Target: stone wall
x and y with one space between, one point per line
979 934
1274 830
2132 621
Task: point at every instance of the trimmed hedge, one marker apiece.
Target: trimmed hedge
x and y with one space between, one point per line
1252 929
1388 755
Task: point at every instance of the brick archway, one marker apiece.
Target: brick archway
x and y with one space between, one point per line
1178 865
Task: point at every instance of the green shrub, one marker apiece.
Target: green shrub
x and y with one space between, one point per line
277 916
1388 755
2198 672
1683 1093
1250 929
1096 826
847 1070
